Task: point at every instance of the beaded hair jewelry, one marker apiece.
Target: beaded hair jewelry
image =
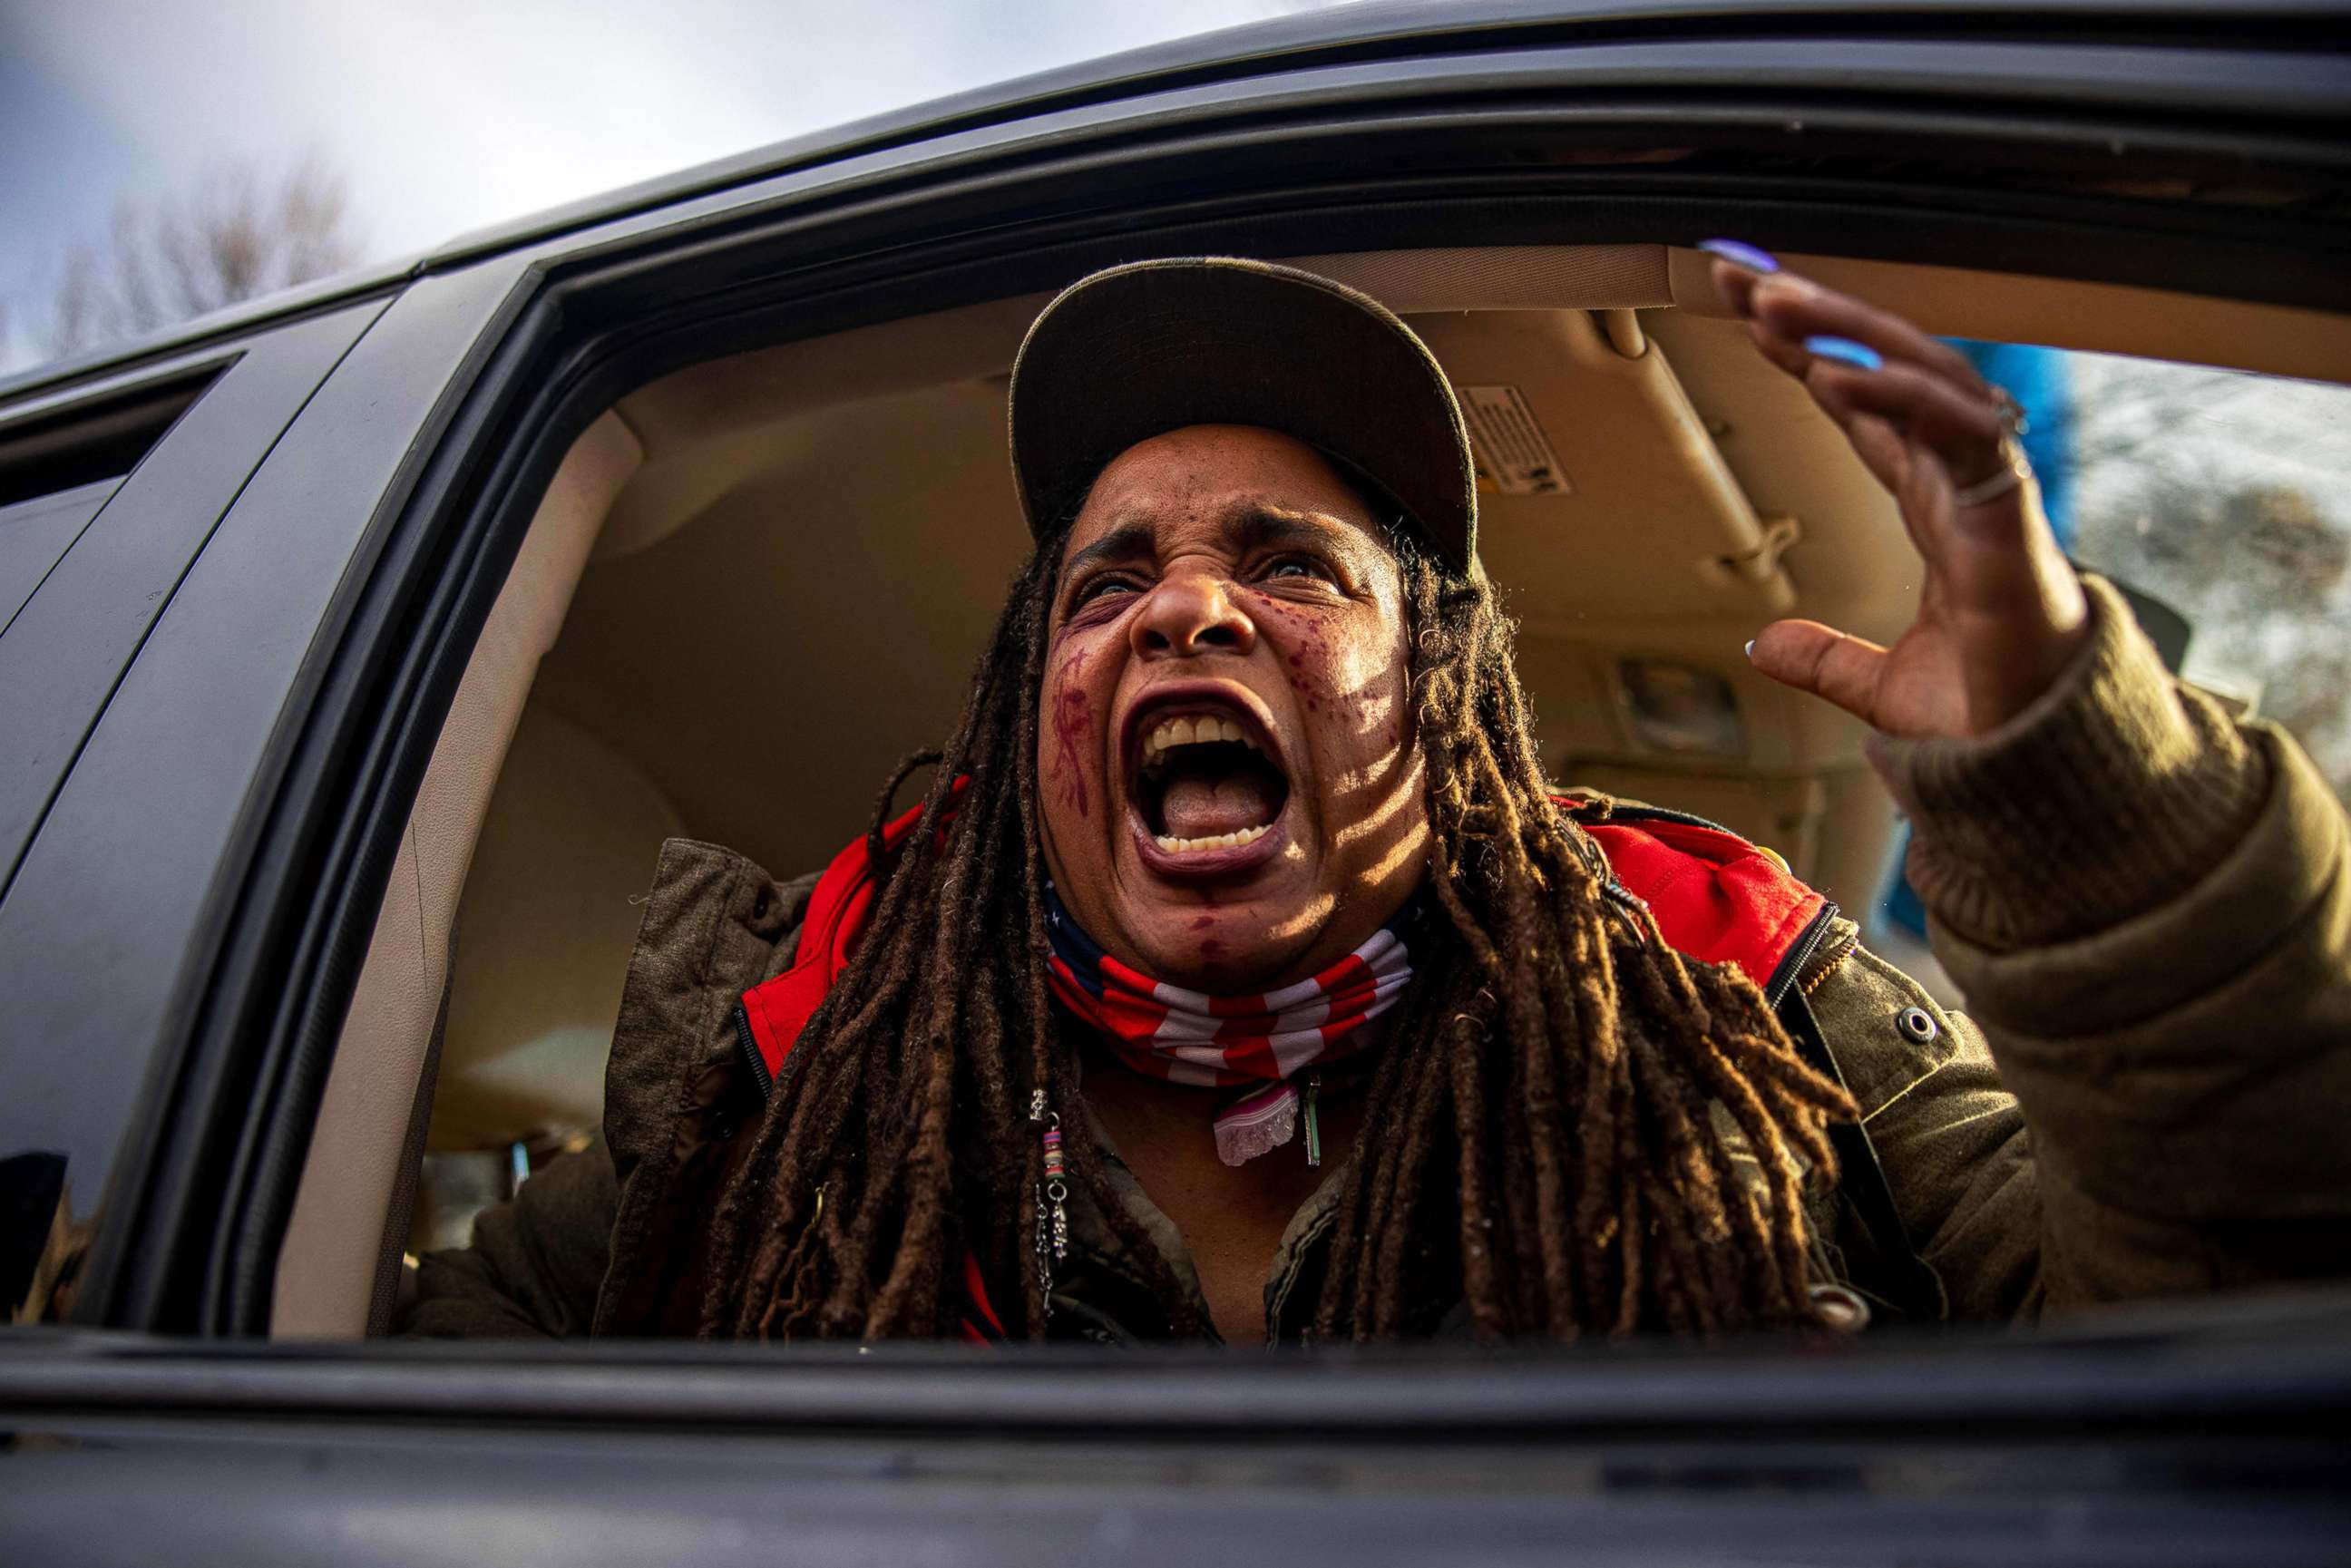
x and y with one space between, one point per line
1052 1200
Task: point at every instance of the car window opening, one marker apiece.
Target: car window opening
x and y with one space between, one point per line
753 592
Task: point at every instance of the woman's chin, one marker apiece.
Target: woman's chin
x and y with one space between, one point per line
1229 947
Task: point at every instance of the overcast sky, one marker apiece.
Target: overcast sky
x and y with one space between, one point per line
446 115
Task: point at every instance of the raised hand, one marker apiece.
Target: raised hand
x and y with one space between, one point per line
2000 612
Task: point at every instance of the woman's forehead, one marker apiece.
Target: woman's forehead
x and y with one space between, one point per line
1239 485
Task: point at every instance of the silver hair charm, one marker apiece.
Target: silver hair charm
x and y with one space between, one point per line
1052 1201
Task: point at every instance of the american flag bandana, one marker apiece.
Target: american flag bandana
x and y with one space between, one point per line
1265 1036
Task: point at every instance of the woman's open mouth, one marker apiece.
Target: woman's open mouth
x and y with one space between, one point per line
1204 783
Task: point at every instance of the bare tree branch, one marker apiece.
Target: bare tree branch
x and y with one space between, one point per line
234 236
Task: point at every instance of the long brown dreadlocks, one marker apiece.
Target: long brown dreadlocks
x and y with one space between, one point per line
1619 1124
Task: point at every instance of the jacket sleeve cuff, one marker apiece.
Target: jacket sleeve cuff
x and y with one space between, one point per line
2117 790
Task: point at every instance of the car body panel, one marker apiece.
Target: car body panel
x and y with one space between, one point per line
104 929
2129 1447
64 651
2282 103
1381 37
35 536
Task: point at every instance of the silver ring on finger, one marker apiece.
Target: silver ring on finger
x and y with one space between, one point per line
2011 413
2013 469
2014 472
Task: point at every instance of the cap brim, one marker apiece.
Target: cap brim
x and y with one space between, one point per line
1134 351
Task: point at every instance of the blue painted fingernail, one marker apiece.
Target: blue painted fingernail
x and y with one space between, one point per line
1740 253
1845 351
1750 648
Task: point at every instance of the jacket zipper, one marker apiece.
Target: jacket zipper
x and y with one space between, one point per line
1800 955
750 1044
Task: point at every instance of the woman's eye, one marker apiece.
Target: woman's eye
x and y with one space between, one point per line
1090 593
1295 568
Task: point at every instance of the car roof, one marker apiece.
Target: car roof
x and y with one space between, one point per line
1351 34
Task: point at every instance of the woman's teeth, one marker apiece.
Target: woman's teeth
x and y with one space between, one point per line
1175 846
1203 731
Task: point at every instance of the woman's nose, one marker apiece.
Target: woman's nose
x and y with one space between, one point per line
1190 613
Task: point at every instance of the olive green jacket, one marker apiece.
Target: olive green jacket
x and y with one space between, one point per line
2146 906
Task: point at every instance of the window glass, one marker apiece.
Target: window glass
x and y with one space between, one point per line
2228 496
2219 501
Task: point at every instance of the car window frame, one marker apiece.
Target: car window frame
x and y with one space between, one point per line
456 405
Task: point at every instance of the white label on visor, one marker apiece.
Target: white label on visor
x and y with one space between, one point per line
1513 453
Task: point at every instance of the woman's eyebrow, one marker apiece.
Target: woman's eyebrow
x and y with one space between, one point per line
1262 528
1257 527
1124 543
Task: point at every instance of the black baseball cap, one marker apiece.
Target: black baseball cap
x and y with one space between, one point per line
1134 351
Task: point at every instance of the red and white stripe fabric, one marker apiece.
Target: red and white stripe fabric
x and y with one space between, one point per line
1191 1037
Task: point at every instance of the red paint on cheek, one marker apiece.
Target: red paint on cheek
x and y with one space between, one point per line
1313 656
1074 726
